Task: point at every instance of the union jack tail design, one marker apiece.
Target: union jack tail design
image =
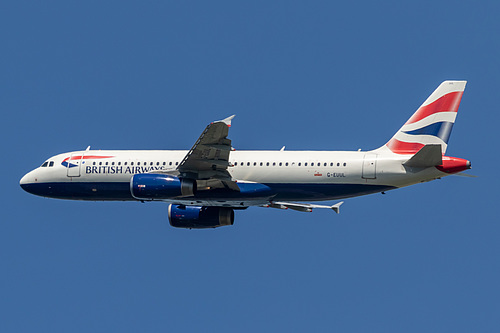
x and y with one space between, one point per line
432 122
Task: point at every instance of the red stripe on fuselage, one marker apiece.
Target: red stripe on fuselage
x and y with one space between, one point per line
85 157
446 103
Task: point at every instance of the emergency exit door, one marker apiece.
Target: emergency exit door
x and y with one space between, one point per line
370 166
74 164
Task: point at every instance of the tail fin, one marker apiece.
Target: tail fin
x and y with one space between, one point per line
432 122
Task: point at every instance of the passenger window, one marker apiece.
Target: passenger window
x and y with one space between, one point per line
44 164
312 164
170 163
299 163
119 163
286 164
345 164
267 164
100 163
138 163
131 163
324 164
106 163
151 163
93 163
331 164
124 163
261 163
274 163
112 163
248 163
338 164
176 163
51 163
281 164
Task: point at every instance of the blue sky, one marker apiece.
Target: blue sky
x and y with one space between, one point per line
309 75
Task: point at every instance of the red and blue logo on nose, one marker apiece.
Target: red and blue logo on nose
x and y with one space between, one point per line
67 164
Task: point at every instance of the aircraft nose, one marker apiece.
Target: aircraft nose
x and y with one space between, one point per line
23 180
27 182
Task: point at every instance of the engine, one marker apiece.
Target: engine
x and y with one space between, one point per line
198 217
150 186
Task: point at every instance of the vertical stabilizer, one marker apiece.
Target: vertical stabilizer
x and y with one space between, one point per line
431 124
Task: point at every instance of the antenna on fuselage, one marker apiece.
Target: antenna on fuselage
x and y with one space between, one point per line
88 148
282 148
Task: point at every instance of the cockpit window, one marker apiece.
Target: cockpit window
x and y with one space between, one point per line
51 163
45 164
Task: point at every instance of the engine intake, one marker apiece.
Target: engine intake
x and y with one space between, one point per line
150 186
199 217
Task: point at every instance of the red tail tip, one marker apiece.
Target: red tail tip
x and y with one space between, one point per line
454 164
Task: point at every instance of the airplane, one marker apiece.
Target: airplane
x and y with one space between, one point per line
205 185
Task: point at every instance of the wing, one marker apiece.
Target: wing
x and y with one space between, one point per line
303 207
208 160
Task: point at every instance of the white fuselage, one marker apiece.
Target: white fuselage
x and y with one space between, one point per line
204 185
292 175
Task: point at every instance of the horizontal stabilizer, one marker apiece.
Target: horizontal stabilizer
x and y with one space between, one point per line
428 156
463 174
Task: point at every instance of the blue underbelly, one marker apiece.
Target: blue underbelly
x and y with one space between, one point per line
120 191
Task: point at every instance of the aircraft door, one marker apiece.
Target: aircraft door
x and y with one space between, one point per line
370 166
74 164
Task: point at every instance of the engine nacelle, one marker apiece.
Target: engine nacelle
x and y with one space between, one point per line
151 186
198 217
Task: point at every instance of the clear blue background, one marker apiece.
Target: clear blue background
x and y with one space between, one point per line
306 74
